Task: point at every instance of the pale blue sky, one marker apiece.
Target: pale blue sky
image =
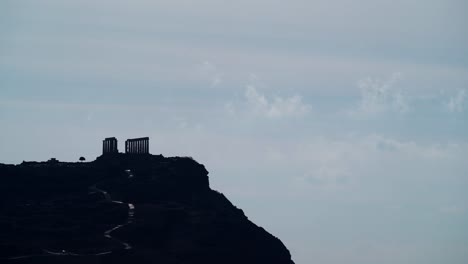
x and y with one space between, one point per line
339 126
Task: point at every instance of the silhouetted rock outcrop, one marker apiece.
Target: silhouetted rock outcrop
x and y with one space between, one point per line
124 208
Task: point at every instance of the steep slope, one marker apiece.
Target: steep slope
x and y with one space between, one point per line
125 208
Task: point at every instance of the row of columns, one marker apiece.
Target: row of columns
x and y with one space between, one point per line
137 145
109 145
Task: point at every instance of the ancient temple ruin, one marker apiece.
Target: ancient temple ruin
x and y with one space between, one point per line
109 145
132 146
137 145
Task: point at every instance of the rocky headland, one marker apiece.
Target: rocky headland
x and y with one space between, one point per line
124 208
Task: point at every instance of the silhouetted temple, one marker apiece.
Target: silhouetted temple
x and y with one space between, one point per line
137 145
132 146
109 145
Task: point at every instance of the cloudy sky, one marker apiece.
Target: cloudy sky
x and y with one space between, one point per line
339 126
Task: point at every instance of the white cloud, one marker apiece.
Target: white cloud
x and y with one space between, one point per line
210 70
456 103
276 107
400 103
379 96
338 164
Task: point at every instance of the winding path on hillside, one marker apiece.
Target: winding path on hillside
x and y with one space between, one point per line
108 233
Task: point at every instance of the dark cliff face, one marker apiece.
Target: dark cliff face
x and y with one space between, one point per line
125 209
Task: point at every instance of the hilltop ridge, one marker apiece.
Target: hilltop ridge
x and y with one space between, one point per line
124 208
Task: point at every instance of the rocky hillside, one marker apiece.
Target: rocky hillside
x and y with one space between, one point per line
124 208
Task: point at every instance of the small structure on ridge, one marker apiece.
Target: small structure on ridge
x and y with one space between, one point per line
109 146
137 145
132 146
